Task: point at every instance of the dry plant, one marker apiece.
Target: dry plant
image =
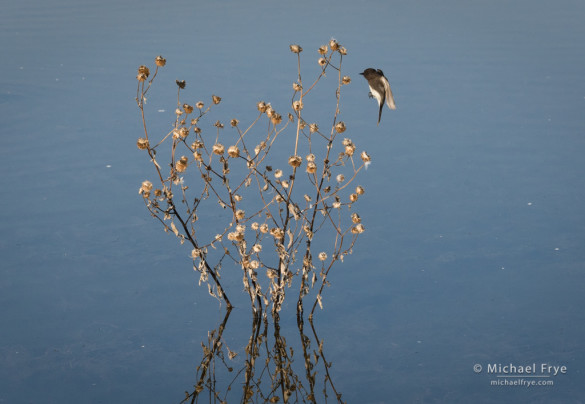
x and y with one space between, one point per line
274 199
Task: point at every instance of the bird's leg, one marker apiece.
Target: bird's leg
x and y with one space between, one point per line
370 95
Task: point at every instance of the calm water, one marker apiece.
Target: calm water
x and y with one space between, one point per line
474 208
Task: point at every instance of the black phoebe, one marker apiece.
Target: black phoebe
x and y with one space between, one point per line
379 88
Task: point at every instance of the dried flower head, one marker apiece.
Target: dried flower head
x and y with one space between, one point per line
235 236
198 144
313 127
311 167
322 61
350 149
218 124
340 178
277 233
264 228
234 122
365 157
284 184
261 106
188 108
182 164
298 105
197 129
240 214
178 112
333 44
197 156
141 77
340 127
199 105
295 161
356 218
322 49
144 70
218 149
233 151
345 80
297 87
342 51
145 188
278 173
160 61
142 143
254 264
336 205
181 83
216 99
359 190
196 253
296 49
255 226
237 197
276 118
353 197
358 229
322 256
184 132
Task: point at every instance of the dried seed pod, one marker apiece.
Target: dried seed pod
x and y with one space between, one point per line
342 51
311 167
181 83
145 188
365 157
199 105
355 218
276 118
218 149
295 161
359 190
322 256
142 143
182 164
160 61
261 106
340 127
313 127
187 108
234 122
340 178
297 87
296 49
184 132
346 80
298 105
353 197
233 151
322 61
216 99
144 70
333 44
240 214
322 49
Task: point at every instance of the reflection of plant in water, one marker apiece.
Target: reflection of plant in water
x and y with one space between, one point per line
283 219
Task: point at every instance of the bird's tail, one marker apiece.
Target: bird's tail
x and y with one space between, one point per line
380 113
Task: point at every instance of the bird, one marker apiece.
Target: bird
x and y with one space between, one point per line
379 89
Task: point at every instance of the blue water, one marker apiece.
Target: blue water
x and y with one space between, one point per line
473 252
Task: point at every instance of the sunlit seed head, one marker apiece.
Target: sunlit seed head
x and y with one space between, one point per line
350 149
255 226
336 205
184 132
240 214
322 61
355 218
218 124
340 178
261 106
296 49
270 111
326 189
342 50
295 161
310 157
181 83
311 167
218 149
264 228
322 49
365 157
216 99
257 247
144 70
277 233
196 253
307 198
142 143
234 122
198 144
233 151
360 190
278 173
241 228
197 129
360 228
199 105
254 264
346 80
218 237
160 61
146 186
276 118
313 127
182 164
178 112
333 44
347 142
322 256
237 197
141 77
340 127
297 87
298 105
157 192
291 118
187 108
279 198
302 124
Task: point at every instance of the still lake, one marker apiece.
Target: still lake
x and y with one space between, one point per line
475 228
